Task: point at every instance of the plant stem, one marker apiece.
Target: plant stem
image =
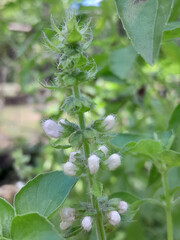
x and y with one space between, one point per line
100 231
168 206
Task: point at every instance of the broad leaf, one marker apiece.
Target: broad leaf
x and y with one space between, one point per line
121 61
122 139
33 227
6 216
44 194
144 22
148 147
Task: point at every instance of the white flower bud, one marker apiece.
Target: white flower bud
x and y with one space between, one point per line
113 161
104 149
68 214
87 223
123 206
109 122
69 169
114 218
93 164
52 129
72 156
62 120
65 225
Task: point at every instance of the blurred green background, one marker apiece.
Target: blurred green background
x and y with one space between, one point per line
142 96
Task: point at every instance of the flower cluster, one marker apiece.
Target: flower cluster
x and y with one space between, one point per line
68 216
74 67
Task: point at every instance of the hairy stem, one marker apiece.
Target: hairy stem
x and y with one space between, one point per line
100 231
168 207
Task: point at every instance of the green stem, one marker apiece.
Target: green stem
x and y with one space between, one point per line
100 231
168 206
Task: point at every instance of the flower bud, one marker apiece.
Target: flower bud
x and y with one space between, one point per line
123 206
104 149
72 156
52 129
68 214
62 120
69 169
113 161
114 218
86 223
93 164
65 225
109 122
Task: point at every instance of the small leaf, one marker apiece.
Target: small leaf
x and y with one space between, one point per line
124 196
58 146
33 227
121 61
172 30
171 158
72 231
174 124
154 175
144 22
44 194
97 188
76 138
132 200
89 133
6 216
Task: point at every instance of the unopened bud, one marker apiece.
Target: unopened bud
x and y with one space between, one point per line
87 223
68 214
93 164
104 149
69 169
113 161
52 129
72 156
62 120
114 218
123 207
109 122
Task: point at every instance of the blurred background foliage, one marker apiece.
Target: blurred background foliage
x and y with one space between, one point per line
143 97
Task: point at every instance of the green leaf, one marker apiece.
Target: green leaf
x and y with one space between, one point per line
172 30
171 158
72 231
122 139
89 133
121 61
144 22
154 175
33 227
58 146
6 216
44 194
174 124
124 196
76 138
132 200
148 147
